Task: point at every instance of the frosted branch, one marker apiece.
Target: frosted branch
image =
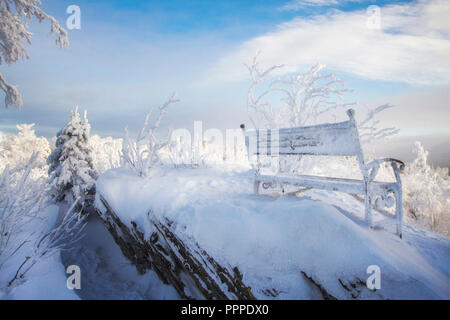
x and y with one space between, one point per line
14 18
12 95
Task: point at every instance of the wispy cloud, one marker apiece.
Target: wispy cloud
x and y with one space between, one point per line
299 4
412 46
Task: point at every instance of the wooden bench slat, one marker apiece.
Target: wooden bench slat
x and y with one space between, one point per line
316 128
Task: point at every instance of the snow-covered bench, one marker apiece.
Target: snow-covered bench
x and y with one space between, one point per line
330 139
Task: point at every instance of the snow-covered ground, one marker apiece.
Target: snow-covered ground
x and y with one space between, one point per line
273 240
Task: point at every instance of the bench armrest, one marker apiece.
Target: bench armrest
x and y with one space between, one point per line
397 165
376 163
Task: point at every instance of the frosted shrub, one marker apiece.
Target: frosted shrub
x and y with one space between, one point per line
21 199
177 154
105 152
50 239
142 154
426 194
28 233
16 150
210 154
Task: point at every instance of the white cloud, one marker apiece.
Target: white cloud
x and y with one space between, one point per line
412 46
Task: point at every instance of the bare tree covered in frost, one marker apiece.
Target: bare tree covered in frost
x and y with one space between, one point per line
142 154
72 172
304 99
14 18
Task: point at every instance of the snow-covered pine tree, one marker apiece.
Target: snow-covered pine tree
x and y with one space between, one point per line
72 172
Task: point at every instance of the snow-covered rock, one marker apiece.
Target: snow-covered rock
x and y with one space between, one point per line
308 247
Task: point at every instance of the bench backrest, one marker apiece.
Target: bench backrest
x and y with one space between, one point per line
331 139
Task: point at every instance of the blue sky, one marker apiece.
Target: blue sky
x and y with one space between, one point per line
131 55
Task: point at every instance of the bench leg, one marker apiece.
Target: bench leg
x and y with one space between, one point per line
368 207
256 185
399 211
368 210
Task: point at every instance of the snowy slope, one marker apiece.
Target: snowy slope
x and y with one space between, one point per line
106 273
46 280
278 242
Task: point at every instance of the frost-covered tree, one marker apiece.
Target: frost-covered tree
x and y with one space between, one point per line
105 152
426 194
297 99
72 172
14 18
16 150
303 99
